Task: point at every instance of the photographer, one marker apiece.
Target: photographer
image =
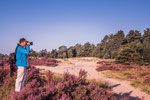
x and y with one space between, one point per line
23 49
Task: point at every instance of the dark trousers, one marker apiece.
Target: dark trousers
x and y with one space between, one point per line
12 70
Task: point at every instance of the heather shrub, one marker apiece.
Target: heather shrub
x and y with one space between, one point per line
4 72
118 67
42 61
131 77
34 73
50 76
144 74
69 87
7 83
146 79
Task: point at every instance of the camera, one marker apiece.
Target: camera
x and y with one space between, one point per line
31 43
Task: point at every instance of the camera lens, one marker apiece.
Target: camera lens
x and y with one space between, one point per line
31 43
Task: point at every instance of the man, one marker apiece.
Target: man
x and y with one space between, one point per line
21 63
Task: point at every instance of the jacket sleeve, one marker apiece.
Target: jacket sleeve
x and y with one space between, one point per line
25 51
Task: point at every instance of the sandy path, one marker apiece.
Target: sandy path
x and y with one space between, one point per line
121 88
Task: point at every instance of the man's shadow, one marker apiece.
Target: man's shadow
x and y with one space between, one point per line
125 96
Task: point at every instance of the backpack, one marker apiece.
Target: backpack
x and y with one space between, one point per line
12 61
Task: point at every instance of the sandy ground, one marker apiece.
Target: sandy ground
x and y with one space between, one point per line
73 66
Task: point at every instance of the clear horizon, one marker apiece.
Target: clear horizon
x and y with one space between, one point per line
52 23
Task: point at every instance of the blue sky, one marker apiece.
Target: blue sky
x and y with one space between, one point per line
52 23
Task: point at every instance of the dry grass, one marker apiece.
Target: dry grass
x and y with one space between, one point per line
57 75
5 92
86 59
132 75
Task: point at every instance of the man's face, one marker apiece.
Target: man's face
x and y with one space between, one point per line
23 43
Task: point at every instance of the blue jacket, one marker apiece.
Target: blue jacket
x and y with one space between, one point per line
21 53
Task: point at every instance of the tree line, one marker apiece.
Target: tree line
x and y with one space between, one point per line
133 48
3 55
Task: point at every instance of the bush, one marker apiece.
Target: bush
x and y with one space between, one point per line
129 57
117 67
42 61
69 87
114 54
146 79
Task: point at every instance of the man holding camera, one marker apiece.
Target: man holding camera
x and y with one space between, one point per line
23 49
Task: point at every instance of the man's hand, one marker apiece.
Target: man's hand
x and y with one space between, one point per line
28 43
